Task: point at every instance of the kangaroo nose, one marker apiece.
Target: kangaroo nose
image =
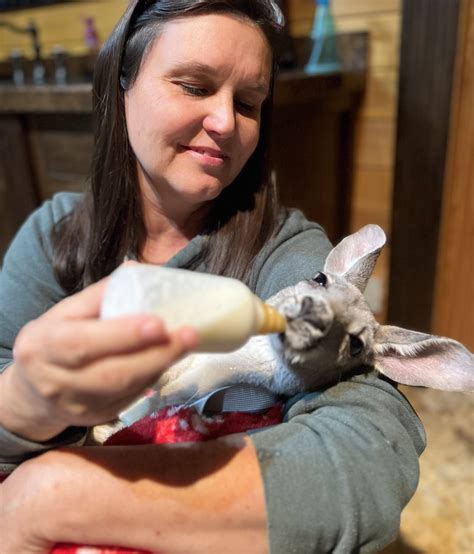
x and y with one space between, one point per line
307 306
316 312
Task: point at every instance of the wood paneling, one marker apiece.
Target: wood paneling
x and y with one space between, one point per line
60 24
454 288
312 150
372 193
427 61
304 9
381 93
342 8
375 126
61 147
384 30
374 143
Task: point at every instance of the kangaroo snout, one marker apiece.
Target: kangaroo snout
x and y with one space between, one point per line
309 320
317 312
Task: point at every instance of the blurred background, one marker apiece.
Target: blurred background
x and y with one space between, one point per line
373 123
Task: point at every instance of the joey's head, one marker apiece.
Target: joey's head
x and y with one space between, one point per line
330 329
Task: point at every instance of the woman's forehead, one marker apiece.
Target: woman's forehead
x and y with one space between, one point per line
213 42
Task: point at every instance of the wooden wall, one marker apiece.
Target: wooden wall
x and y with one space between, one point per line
376 125
376 122
427 69
59 24
453 312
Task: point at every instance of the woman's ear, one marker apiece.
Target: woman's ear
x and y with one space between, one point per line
420 359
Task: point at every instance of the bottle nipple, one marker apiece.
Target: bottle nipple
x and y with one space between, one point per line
272 321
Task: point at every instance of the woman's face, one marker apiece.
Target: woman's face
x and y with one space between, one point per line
193 113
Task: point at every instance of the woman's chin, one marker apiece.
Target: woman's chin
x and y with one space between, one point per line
202 194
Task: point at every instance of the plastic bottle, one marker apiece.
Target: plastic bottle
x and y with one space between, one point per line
60 69
16 58
91 35
323 57
223 310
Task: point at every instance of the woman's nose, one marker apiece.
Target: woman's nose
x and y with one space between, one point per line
220 118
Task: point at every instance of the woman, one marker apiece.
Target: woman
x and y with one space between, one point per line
180 176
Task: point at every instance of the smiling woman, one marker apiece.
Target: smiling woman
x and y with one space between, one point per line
202 100
192 126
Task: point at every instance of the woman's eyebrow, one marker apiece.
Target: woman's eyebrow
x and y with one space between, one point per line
205 70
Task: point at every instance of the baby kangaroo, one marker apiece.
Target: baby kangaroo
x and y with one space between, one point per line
330 333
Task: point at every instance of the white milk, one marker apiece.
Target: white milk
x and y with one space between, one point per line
223 310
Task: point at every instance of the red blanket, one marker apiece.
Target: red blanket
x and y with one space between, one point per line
177 425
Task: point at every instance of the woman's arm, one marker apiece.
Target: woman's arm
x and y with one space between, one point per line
336 477
338 474
194 498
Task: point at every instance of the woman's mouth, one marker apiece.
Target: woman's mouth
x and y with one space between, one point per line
207 156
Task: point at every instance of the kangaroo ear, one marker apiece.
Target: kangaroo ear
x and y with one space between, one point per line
355 256
419 359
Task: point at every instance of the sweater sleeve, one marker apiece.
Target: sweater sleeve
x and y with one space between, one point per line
27 289
28 286
338 472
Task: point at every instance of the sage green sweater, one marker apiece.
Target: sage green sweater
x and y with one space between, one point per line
343 464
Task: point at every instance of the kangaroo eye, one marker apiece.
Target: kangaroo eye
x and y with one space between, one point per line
321 279
356 345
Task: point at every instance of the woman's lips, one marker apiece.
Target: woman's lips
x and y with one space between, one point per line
207 156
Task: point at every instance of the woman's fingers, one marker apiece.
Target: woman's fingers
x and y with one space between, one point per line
82 305
76 343
105 387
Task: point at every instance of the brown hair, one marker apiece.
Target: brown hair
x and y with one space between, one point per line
107 223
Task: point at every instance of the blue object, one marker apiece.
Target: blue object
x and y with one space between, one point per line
323 57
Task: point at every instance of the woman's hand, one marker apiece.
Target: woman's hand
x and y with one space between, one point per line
72 368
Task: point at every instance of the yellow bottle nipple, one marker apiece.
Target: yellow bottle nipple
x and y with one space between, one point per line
272 321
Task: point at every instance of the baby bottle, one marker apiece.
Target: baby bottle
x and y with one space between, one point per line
223 310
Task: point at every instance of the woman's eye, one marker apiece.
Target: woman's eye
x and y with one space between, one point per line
192 90
246 107
356 345
321 279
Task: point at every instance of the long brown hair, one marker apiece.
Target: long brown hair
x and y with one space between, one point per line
107 223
